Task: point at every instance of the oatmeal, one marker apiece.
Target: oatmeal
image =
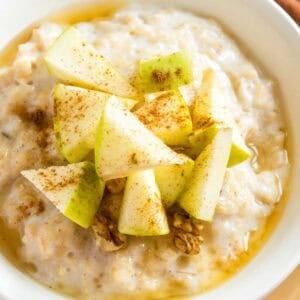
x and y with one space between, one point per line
100 262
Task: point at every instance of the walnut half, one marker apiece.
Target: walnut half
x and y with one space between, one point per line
186 234
106 233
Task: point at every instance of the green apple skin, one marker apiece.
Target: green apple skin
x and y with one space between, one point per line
124 145
166 72
201 194
168 117
202 137
142 212
75 190
86 198
74 61
172 179
238 154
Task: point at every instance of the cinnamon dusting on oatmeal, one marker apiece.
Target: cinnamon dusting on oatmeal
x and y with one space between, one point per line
37 116
29 207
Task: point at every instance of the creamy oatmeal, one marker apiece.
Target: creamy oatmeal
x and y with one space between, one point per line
196 255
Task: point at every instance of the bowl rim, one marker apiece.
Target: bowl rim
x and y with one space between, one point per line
286 270
291 25
296 28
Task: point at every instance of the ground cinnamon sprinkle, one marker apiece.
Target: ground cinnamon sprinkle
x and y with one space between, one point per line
42 139
179 72
37 116
133 159
30 206
204 123
160 76
160 114
51 183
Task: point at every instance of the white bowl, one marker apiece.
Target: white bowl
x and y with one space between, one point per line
274 40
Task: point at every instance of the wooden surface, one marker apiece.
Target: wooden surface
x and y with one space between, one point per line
292 7
289 289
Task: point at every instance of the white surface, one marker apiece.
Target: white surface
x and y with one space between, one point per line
275 41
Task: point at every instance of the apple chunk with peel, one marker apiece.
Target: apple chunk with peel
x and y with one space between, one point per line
202 137
74 61
172 179
202 191
166 72
75 190
124 144
210 104
239 153
210 114
77 115
142 212
168 117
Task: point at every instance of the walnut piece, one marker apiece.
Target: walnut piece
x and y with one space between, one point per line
107 237
116 186
187 234
111 205
187 243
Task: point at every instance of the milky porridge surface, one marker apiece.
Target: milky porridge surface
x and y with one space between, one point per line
66 256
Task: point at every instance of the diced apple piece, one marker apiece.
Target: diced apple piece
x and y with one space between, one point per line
142 212
238 154
168 117
202 137
77 115
166 72
202 191
172 179
210 114
128 103
76 62
75 190
209 106
124 144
